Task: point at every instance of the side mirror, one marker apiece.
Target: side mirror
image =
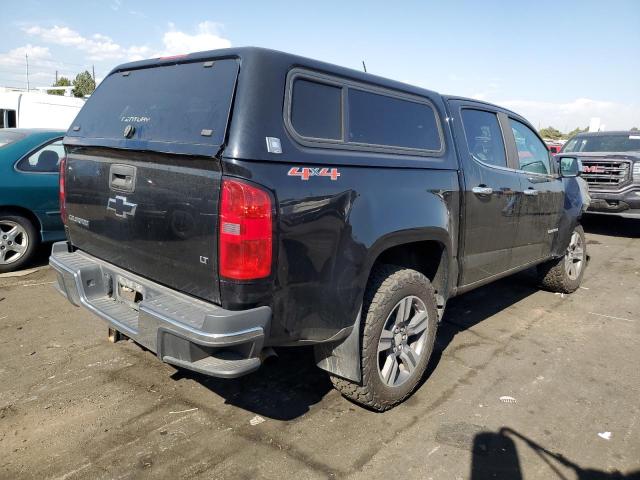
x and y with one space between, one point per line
570 166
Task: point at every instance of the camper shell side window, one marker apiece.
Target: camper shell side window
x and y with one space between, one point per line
322 110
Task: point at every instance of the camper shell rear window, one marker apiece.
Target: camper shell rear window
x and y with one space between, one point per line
176 108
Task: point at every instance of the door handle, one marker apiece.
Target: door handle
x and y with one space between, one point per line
482 190
122 178
531 191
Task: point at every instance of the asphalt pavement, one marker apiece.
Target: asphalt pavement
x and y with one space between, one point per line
523 384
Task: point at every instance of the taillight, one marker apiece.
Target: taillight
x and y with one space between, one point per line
246 231
62 198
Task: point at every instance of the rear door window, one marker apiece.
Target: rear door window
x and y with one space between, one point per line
43 160
532 152
167 106
484 137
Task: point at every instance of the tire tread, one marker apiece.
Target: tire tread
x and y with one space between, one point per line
553 277
384 281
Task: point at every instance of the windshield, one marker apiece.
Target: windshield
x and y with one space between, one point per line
604 143
159 108
7 137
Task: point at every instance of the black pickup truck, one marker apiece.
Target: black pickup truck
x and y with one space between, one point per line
222 203
611 167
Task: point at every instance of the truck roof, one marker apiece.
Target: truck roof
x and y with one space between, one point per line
469 99
274 56
269 57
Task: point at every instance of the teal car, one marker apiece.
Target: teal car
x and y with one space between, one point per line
29 208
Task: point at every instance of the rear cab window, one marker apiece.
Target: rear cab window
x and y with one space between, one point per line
323 110
177 108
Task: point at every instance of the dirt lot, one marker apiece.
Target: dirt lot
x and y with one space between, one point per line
73 405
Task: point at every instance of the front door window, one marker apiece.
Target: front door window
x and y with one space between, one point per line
532 152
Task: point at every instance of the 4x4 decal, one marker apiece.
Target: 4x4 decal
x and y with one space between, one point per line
305 173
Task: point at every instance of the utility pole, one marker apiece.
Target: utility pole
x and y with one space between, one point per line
56 77
364 67
26 56
93 70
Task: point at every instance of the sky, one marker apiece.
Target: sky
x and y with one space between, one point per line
558 63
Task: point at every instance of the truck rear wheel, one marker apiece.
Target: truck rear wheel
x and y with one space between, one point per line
564 275
398 330
18 241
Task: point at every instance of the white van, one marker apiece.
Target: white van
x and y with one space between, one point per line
37 110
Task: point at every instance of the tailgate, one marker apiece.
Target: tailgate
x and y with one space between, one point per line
143 174
152 214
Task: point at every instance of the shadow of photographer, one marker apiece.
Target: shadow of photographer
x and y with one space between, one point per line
495 457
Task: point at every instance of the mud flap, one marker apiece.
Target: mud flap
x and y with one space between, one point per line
343 358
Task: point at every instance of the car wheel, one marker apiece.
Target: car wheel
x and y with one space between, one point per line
564 275
18 242
397 335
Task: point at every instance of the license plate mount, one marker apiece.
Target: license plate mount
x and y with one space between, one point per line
129 292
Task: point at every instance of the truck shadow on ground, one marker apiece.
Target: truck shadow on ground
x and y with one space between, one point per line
42 256
611 226
495 457
468 310
286 387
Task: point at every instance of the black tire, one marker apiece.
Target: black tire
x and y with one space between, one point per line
554 276
387 287
33 239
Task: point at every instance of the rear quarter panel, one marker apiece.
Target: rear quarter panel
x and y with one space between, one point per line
329 234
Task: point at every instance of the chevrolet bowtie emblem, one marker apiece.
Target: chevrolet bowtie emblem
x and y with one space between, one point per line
121 207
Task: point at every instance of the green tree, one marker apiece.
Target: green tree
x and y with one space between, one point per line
61 82
575 131
551 133
635 129
83 84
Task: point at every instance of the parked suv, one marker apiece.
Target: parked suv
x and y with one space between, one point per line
254 199
611 167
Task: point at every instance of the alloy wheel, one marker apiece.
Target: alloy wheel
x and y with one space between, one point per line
402 340
574 259
14 242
